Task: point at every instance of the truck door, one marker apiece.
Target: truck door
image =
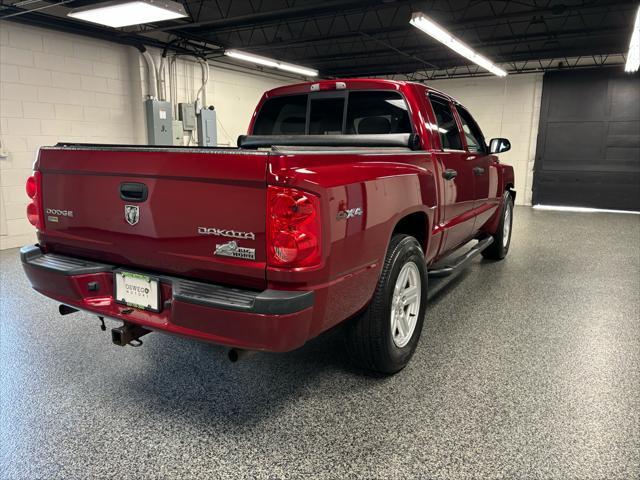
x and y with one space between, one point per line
485 174
457 194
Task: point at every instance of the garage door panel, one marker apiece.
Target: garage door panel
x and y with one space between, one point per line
624 134
564 106
623 159
625 98
574 143
588 151
590 189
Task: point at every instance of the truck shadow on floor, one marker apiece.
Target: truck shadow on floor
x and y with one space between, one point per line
197 382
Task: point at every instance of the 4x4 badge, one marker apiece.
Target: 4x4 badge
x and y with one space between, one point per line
131 214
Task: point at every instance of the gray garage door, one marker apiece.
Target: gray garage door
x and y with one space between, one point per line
588 152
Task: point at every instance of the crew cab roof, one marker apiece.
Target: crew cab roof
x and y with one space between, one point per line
351 84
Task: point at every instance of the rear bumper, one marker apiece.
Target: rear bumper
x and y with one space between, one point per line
273 320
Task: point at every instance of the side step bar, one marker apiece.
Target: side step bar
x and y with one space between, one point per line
440 277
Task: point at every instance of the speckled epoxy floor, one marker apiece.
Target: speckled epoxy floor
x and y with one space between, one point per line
527 368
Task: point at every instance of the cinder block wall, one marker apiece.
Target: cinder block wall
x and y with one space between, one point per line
60 87
57 87
504 107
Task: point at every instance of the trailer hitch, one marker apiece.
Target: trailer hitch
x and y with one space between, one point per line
128 334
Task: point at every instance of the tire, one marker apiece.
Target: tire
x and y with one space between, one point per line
370 341
502 238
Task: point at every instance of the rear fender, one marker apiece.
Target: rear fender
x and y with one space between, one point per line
386 187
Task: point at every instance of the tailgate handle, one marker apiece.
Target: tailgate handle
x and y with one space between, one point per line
133 192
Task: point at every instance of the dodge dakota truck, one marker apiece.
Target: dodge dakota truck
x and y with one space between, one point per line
349 202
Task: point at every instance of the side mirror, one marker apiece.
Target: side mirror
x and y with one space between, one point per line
499 145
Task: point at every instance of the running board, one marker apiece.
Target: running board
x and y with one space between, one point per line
440 277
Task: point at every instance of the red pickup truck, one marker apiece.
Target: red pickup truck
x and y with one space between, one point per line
348 201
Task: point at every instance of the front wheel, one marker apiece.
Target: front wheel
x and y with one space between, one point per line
502 238
384 337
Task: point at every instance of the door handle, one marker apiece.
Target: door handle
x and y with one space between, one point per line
133 192
478 170
449 174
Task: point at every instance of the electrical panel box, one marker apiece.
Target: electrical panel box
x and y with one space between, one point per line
207 130
158 117
187 113
178 133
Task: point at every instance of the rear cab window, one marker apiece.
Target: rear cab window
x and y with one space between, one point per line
282 116
358 112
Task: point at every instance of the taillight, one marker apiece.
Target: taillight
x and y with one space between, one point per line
34 191
293 227
31 187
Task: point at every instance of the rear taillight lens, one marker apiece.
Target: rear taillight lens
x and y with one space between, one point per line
31 187
293 227
34 209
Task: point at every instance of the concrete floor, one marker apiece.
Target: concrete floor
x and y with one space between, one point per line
527 368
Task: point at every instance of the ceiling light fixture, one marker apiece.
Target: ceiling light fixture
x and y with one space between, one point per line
431 28
123 13
268 62
633 57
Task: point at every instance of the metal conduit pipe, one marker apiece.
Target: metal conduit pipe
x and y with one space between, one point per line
151 68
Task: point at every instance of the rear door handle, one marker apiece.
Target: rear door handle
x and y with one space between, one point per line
449 174
478 170
133 192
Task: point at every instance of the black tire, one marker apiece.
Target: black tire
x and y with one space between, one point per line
499 248
369 339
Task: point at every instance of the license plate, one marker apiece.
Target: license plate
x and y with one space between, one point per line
136 290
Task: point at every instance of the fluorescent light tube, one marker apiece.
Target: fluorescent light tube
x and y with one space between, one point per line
309 72
249 57
123 13
633 57
431 28
268 62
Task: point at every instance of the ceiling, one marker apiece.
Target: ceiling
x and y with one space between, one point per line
367 38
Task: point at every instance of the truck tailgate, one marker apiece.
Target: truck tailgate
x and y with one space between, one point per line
196 200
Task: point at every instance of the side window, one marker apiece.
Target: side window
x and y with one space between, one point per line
377 112
282 116
447 126
472 133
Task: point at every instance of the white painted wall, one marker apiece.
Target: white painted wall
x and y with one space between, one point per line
61 87
504 107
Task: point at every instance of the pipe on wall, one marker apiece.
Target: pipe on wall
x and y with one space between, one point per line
153 77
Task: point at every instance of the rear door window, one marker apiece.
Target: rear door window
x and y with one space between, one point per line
447 126
282 116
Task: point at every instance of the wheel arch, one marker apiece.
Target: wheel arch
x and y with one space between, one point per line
415 224
509 187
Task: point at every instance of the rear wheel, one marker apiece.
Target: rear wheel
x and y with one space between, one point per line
502 238
384 337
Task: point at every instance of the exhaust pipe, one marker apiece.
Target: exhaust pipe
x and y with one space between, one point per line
66 309
127 333
236 354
